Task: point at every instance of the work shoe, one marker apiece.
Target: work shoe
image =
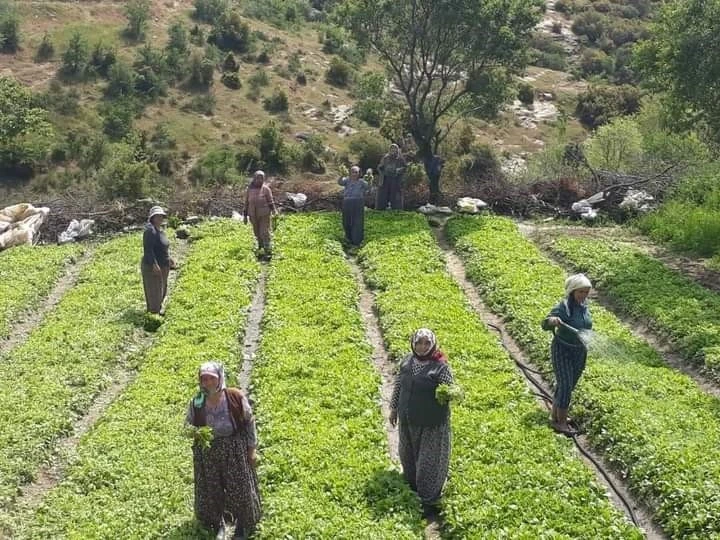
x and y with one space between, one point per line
221 533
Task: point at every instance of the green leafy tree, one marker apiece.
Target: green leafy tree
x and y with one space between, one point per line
446 57
25 133
9 30
617 146
178 40
76 56
138 14
46 49
682 58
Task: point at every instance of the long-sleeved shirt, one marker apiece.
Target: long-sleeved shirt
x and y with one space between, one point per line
219 419
573 314
354 189
392 166
259 201
156 246
446 377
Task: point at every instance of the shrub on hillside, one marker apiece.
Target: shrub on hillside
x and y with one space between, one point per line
231 80
368 150
526 93
230 33
339 73
278 102
76 56
9 31
598 105
209 11
46 49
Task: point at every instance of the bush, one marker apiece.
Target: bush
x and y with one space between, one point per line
201 71
596 62
229 33
66 102
121 81
217 166
76 56
526 93
616 146
312 155
273 152
101 59
209 11
138 14
230 64
46 49
278 102
122 176
556 62
259 78
590 24
368 150
118 118
231 80
600 104
9 31
263 57
294 64
203 104
339 73
248 158
301 79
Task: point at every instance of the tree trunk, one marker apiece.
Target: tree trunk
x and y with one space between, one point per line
433 173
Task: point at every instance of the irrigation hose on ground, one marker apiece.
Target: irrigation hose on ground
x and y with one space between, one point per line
545 395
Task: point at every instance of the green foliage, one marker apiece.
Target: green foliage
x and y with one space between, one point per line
86 331
9 29
118 117
102 59
76 57
312 155
231 80
616 146
216 167
646 418
278 102
343 484
681 58
598 105
279 13
123 175
259 78
230 33
526 93
121 81
370 92
408 293
25 132
178 40
230 64
109 481
673 305
368 150
210 11
202 103
138 14
28 275
150 68
201 71
46 49
339 73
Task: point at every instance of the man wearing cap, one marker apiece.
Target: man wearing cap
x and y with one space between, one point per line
156 262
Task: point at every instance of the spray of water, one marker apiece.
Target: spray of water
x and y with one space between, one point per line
601 345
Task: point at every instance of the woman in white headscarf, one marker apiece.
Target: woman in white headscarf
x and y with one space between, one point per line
568 352
156 262
424 423
225 477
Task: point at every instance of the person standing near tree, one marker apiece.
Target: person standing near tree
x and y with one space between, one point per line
156 262
259 207
392 169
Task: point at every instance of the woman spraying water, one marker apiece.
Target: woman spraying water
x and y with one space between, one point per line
569 353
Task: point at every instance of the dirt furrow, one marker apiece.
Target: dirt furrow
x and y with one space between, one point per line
605 476
251 339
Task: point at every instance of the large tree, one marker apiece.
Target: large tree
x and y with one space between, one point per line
682 59
447 57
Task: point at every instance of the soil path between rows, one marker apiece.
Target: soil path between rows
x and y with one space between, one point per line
456 269
251 337
50 475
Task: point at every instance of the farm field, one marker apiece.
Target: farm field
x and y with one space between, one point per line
326 463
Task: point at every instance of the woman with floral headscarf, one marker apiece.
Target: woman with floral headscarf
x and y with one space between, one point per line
225 478
424 423
568 352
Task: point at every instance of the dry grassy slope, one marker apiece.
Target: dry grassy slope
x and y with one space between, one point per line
236 116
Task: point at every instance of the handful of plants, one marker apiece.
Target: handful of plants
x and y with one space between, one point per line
446 393
202 435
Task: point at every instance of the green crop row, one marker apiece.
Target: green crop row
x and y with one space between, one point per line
49 380
675 306
510 475
133 474
28 274
653 424
325 470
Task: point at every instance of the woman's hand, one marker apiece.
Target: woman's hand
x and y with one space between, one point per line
173 264
554 321
252 457
393 418
156 269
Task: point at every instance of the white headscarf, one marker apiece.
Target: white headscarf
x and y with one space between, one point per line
210 368
423 333
575 282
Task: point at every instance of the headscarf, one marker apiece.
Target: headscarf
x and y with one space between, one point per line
209 368
258 179
394 147
575 282
433 353
572 284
